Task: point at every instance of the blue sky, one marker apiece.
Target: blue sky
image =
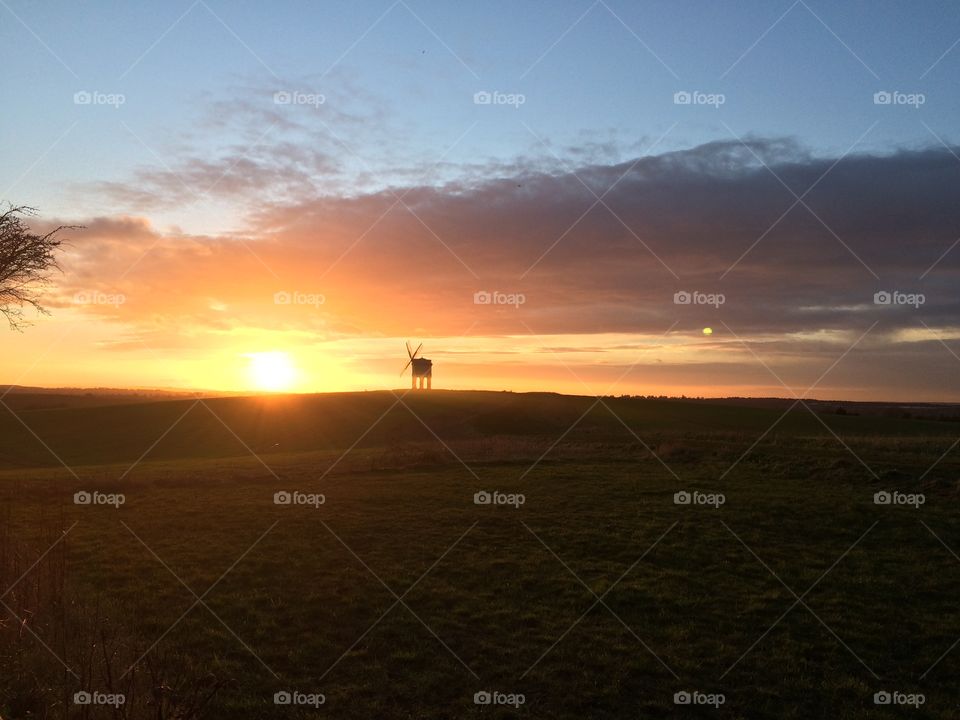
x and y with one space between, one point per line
590 72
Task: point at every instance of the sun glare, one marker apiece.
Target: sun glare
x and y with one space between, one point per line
272 371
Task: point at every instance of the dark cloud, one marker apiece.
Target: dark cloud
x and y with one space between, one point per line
715 219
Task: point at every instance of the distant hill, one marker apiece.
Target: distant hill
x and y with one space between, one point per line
23 395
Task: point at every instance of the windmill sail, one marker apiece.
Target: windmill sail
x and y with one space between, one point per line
412 356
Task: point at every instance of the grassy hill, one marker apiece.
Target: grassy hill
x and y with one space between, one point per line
494 597
85 433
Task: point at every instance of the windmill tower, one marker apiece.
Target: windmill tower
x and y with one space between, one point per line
421 376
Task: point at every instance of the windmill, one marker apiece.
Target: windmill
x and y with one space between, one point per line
421 376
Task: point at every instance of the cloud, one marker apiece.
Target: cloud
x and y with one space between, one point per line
238 174
243 144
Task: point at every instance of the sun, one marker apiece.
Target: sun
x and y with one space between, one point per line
272 371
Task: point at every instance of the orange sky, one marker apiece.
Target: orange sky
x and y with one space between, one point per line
75 348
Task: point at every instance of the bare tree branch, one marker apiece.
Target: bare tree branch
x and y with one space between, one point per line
26 261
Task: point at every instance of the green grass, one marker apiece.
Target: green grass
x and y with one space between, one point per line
507 600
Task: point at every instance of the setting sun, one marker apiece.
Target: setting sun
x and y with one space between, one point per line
272 371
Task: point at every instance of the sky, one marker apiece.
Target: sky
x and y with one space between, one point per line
753 198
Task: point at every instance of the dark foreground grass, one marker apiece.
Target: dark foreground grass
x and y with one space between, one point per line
598 597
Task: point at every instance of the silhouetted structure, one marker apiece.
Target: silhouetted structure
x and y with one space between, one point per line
421 376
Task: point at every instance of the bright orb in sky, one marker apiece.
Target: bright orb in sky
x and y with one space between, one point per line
272 371
708 331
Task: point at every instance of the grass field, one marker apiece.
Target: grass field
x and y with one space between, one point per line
400 597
